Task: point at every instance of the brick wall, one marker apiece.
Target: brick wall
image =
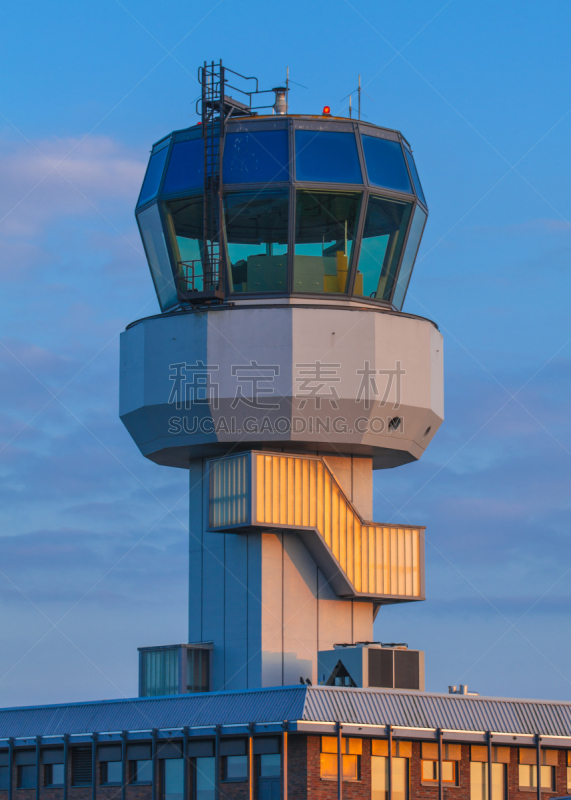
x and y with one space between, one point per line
305 782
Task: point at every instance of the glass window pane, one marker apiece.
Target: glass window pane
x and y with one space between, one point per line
327 156
236 768
173 770
379 777
383 239
328 744
429 770
527 775
4 777
409 257
157 256
569 779
350 768
256 157
57 774
328 765
414 173
186 225
114 771
478 780
385 164
153 176
186 167
27 777
400 778
205 771
144 771
270 765
256 225
448 771
325 228
547 777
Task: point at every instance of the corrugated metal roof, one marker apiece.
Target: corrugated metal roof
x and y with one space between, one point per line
423 710
311 704
222 708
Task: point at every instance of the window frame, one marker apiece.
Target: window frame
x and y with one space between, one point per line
225 779
103 772
20 773
366 189
132 772
434 781
344 755
531 788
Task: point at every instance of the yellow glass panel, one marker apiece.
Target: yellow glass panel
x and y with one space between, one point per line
358 551
401 562
327 508
351 547
305 495
429 770
328 744
350 768
283 491
328 766
372 558
354 746
335 520
275 489
260 489
290 491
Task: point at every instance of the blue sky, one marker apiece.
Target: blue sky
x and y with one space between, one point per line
93 549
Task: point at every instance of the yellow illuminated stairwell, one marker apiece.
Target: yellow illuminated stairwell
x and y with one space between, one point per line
366 559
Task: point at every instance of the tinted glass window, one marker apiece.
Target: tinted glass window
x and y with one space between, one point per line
26 777
385 164
186 223
270 765
153 176
414 174
325 225
327 156
186 167
256 233
383 239
256 157
204 771
173 779
409 256
112 771
143 771
236 768
157 256
4 777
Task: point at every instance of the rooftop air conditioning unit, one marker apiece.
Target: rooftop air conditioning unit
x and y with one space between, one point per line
371 664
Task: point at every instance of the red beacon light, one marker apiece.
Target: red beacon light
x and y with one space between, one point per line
326 111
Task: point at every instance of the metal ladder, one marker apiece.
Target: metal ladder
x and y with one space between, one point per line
213 82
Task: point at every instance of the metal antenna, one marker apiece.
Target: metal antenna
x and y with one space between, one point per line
359 90
287 89
350 115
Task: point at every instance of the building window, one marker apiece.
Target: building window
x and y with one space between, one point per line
569 770
111 772
235 768
429 771
53 775
479 781
141 771
204 778
325 228
27 776
528 777
81 766
351 754
270 765
173 778
380 778
4 777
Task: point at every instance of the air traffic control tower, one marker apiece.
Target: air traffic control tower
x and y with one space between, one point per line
280 373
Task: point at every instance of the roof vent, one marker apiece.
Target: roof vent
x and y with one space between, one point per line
462 689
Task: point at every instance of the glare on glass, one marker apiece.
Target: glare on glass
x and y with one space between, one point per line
429 771
255 157
327 157
385 164
409 257
325 225
256 225
479 781
186 225
186 167
383 239
380 778
157 255
414 173
153 176
144 771
528 776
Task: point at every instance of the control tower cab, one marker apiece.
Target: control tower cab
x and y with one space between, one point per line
282 370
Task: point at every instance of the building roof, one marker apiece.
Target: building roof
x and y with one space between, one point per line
309 709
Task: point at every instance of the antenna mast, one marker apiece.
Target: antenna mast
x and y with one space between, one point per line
359 90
